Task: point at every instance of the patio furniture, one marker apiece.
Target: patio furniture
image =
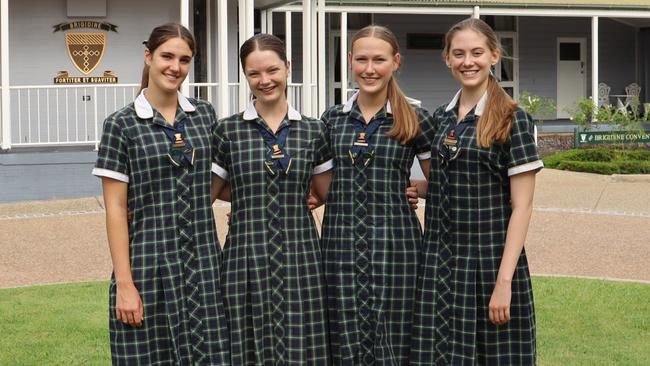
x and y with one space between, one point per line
603 94
633 92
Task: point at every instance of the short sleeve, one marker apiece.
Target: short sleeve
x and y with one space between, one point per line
424 139
113 157
220 162
323 157
523 156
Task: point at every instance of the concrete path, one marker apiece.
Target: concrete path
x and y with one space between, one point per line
582 225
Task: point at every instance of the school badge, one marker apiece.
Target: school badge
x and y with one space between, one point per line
85 50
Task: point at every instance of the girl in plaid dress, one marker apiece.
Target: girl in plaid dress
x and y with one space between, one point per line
155 161
474 304
371 236
273 281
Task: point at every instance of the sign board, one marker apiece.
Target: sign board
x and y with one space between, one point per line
611 137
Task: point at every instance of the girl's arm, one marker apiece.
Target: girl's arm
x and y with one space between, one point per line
128 305
522 187
320 185
220 188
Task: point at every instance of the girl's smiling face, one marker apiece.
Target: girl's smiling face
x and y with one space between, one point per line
373 62
267 75
470 59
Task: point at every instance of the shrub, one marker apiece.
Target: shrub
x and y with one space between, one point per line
595 155
601 161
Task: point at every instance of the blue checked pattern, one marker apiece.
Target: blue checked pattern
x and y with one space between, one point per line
273 282
466 220
371 240
174 250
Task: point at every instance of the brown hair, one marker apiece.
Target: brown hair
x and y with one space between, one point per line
405 121
160 35
263 42
495 123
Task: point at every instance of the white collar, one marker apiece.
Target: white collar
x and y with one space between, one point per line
480 106
144 110
251 113
348 105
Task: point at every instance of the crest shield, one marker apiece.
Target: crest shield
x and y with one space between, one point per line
85 50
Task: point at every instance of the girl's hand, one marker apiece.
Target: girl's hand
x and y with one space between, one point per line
412 195
500 303
128 305
313 202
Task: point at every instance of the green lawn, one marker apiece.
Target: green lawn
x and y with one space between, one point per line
579 322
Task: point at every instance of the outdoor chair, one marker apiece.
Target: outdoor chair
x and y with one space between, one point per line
603 94
633 92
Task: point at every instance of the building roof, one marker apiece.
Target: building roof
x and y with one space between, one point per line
565 4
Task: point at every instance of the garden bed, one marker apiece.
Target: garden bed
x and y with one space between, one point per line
601 161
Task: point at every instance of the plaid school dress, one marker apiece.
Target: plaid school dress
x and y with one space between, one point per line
467 214
173 245
371 237
273 281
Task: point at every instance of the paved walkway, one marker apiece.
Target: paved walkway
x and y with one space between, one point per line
582 225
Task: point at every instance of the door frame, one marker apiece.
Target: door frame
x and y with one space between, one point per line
583 60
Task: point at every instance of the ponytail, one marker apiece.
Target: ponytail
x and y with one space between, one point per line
144 83
495 123
405 120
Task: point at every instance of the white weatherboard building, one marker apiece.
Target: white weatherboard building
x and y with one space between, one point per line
558 49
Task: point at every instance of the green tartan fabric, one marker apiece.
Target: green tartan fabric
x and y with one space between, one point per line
467 214
273 242
371 239
173 244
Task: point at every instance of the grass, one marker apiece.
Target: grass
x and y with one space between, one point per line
55 325
579 322
601 161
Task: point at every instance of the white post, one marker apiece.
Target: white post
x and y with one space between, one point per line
321 57
4 50
287 40
269 21
185 21
476 13
243 36
306 58
594 60
344 56
222 56
250 18
314 59
263 25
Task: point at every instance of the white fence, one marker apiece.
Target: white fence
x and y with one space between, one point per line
73 114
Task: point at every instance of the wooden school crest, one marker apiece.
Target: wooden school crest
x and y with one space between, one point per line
85 50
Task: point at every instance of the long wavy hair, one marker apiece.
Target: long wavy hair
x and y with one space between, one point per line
162 34
495 123
405 121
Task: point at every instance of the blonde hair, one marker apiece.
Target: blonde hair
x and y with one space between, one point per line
405 121
495 123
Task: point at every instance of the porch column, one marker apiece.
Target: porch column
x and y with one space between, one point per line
321 58
476 13
185 21
288 44
222 56
245 32
263 21
594 60
306 58
5 121
344 57
269 21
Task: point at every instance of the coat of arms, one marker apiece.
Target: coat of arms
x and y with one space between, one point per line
85 50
